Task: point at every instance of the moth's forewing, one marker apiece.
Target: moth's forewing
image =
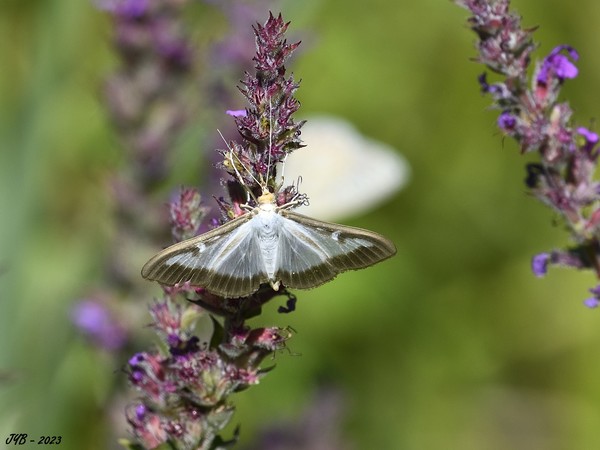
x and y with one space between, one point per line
226 261
312 252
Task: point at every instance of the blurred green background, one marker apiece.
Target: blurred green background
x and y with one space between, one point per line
453 344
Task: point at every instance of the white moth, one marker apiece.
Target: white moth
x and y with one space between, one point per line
268 244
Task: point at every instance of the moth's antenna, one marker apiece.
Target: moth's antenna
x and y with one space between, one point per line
283 170
230 155
270 138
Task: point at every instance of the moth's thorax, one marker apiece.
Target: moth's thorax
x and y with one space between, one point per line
266 202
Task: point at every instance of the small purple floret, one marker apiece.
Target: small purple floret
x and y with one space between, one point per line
539 264
507 121
482 79
595 291
137 375
140 412
236 112
593 302
136 359
559 65
591 138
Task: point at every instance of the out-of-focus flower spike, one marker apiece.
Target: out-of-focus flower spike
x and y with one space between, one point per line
187 213
564 177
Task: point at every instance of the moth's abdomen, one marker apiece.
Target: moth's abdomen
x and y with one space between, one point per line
267 228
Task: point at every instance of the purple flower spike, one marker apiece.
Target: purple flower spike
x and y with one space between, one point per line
559 65
268 129
539 264
185 384
564 176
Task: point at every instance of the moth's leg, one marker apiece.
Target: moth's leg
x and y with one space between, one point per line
297 200
247 207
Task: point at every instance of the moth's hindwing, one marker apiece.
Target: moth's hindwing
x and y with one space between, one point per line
312 252
227 261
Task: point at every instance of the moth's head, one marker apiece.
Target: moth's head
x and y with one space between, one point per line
266 198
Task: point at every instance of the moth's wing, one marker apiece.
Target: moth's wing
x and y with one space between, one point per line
226 261
312 252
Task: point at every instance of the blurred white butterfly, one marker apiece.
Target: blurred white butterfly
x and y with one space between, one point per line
268 244
354 173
